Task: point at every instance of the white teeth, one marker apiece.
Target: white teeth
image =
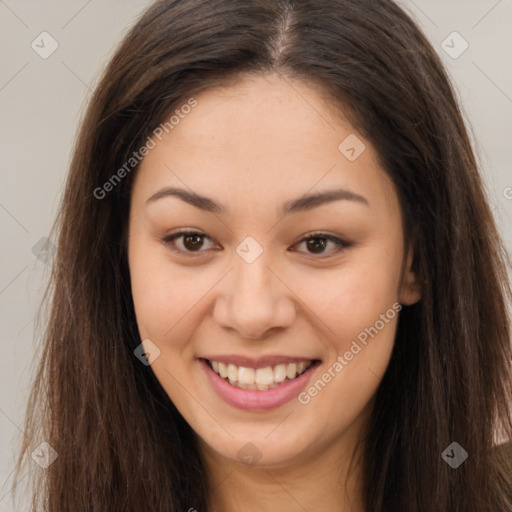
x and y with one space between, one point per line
264 376
279 372
260 378
291 371
245 375
233 372
223 370
242 386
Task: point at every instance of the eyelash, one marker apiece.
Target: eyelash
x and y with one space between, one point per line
168 240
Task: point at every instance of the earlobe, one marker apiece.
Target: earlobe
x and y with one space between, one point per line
410 292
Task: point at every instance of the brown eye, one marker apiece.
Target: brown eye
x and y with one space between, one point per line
192 241
316 245
318 242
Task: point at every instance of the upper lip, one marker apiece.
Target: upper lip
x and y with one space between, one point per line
260 362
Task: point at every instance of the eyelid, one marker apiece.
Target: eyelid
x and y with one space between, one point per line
341 244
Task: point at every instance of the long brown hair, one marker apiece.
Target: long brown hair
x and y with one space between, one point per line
121 443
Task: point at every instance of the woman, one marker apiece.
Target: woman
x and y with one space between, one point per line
278 285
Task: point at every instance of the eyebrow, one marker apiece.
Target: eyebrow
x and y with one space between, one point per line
304 203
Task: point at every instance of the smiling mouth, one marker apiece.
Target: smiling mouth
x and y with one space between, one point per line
261 379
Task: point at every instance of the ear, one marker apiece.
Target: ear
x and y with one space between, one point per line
410 292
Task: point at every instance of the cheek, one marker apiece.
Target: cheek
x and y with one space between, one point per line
351 297
357 304
161 295
362 319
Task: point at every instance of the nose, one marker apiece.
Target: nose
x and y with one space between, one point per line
254 300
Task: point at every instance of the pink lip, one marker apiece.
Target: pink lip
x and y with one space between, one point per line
261 362
255 400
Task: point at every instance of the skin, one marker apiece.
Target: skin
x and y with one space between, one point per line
253 146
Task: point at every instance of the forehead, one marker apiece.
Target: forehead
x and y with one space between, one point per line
266 136
262 110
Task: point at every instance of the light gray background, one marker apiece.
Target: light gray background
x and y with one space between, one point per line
42 101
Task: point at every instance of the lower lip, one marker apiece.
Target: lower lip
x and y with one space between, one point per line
255 400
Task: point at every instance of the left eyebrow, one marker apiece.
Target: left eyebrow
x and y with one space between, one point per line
304 203
310 201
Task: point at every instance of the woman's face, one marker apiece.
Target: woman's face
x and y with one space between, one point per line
261 167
